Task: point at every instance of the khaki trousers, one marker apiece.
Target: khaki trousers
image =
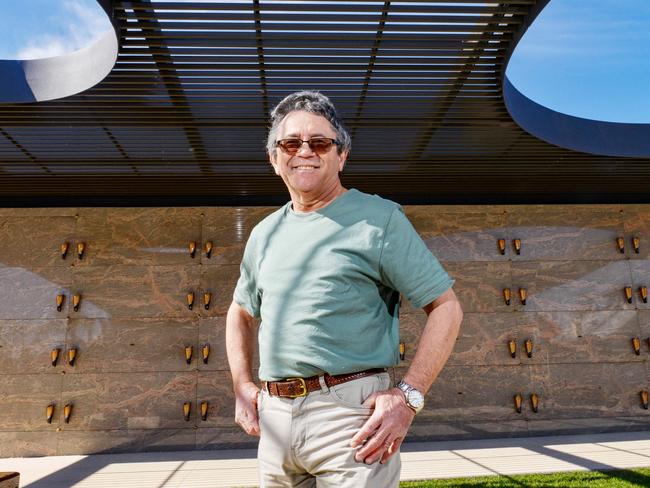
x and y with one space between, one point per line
305 441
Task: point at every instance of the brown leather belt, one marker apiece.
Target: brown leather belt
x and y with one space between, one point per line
298 387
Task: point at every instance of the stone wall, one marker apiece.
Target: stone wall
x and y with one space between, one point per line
131 378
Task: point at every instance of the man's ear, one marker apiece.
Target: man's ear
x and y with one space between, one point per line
273 163
342 160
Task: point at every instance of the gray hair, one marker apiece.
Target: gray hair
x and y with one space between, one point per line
312 102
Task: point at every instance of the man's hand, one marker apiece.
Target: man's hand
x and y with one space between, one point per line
382 434
246 408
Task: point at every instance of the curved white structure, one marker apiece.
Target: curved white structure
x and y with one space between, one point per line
37 80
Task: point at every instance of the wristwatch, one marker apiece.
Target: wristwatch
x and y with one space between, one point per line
414 398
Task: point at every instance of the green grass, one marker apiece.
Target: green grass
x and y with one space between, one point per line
592 479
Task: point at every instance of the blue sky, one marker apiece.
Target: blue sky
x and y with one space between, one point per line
43 28
588 58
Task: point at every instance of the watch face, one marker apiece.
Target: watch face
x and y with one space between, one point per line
416 399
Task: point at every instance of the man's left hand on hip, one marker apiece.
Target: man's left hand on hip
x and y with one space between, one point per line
382 434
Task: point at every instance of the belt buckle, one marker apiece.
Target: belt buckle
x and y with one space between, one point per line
303 385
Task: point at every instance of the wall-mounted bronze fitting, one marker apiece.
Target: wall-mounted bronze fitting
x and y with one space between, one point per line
59 302
502 246
64 249
54 356
208 249
205 353
512 347
517 244
49 412
636 244
72 356
204 410
518 399
643 291
620 243
190 300
76 301
207 297
192 248
644 399
402 351
528 345
628 294
523 294
187 408
67 412
188 354
507 295
81 249
534 402
636 345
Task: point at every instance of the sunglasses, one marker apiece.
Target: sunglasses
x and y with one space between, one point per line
319 145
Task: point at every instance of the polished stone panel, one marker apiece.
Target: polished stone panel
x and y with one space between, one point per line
479 286
446 397
592 425
136 291
224 438
488 391
637 224
452 431
24 399
25 345
584 337
644 327
229 229
133 345
139 236
39 212
220 281
215 387
483 340
36 241
30 293
457 237
134 401
410 328
594 390
565 232
571 285
28 444
640 277
467 430
131 440
212 331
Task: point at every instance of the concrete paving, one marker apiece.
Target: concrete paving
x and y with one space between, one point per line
198 469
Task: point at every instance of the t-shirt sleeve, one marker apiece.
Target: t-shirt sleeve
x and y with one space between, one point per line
247 294
407 265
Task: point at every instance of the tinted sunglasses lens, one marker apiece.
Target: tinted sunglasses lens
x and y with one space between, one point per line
320 146
290 146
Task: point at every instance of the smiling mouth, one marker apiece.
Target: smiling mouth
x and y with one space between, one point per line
305 166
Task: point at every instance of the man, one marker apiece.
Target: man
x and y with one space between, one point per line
324 273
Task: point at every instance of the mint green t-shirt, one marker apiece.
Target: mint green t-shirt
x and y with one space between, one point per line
326 285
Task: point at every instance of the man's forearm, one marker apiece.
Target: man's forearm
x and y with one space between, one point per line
435 346
240 337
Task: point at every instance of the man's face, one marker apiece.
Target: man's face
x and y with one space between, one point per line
307 172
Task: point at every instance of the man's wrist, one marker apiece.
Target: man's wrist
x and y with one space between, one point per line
413 397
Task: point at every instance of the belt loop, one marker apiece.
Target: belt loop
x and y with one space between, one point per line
323 385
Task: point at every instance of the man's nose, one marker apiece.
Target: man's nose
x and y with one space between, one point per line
305 149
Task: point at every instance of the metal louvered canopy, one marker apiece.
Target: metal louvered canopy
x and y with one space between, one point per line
181 119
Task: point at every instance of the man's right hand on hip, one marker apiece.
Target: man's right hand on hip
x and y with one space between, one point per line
246 408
